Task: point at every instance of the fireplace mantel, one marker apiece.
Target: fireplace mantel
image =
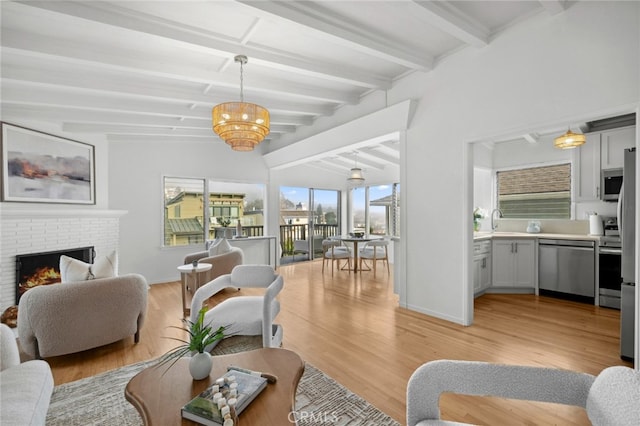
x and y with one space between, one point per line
7 211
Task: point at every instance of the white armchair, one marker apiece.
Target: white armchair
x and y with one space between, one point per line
244 315
611 398
25 388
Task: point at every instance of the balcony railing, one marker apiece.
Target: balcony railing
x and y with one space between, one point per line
288 234
291 233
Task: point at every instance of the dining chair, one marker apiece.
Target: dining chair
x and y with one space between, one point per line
300 247
334 251
374 251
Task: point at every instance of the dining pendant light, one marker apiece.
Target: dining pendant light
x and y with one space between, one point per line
355 176
242 125
569 140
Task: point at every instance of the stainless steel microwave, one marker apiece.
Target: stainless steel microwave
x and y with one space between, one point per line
611 184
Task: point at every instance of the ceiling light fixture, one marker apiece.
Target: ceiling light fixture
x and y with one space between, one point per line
569 140
240 124
356 173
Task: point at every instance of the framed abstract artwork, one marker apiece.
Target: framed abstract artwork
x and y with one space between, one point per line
43 168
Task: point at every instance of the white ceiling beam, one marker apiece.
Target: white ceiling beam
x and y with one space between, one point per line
72 53
105 128
342 33
532 138
205 41
66 113
180 139
379 126
157 94
326 167
451 20
553 7
373 152
362 161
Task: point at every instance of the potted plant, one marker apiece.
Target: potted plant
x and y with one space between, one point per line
224 223
478 214
201 336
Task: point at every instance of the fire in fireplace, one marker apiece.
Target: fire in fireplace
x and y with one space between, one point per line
44 268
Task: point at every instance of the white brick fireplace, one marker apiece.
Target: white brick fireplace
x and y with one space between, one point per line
42 228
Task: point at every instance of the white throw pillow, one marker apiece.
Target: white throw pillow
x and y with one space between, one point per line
219 246
76 270
224 246
105 266
213 247
73 269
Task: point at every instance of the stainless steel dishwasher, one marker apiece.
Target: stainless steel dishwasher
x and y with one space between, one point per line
567 266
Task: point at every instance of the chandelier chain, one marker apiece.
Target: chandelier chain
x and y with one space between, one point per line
241 81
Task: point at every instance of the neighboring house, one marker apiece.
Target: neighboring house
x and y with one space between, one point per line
183 213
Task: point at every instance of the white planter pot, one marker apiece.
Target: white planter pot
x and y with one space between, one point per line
200 365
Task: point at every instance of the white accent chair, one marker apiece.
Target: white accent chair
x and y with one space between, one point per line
244 315
333 251
374 251
611 398
25 388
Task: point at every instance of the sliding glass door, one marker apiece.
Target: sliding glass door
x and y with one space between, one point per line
307 216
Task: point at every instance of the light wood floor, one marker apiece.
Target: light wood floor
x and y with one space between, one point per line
350 327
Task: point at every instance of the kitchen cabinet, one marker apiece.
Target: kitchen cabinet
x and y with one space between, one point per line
602 150
586 169
514 263
612 146
481 266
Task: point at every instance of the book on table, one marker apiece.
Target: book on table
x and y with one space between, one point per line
202 409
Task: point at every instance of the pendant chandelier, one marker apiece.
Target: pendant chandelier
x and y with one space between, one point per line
356 177
240 124
569 140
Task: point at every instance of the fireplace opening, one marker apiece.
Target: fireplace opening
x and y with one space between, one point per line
44 268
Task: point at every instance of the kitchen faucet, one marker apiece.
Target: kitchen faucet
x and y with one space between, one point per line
493 224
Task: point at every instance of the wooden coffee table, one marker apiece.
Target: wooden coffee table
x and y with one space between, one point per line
159 393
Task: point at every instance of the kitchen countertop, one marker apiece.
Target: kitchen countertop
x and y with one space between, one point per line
480 236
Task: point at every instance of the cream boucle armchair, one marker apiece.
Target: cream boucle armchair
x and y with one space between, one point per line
222 263
71 317
611 398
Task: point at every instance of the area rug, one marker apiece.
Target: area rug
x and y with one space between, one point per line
99 400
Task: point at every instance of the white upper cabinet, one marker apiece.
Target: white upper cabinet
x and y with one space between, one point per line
612 146
586 169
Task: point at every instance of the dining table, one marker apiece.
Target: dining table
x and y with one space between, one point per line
355 240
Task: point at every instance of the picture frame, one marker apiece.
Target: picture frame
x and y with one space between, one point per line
38 167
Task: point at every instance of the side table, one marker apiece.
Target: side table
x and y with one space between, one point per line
194 272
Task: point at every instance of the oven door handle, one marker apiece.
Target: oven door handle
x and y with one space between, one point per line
610 251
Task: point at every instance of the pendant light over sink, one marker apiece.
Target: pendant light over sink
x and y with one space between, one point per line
242 125
569 140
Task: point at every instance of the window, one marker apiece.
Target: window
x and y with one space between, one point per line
183 211
191 218
376 210
535 192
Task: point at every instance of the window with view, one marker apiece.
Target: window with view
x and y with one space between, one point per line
191 218
375 209
535 192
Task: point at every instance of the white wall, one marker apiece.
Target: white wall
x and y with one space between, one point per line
516 84
135 173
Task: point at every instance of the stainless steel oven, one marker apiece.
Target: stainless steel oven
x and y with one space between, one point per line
610 272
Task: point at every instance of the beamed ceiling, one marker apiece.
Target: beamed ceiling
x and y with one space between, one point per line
152 70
